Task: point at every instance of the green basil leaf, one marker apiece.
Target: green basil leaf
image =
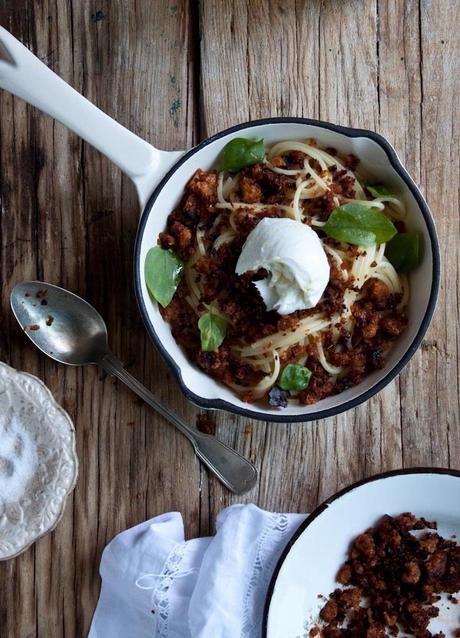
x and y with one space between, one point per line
378 190
294 377
213 328
405 251
163 272
356 224
241 152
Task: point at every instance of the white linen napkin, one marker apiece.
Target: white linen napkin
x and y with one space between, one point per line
157 585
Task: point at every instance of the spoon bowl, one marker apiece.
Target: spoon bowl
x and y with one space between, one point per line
62 325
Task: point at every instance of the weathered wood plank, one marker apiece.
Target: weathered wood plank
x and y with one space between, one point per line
431 409
399 94
69 217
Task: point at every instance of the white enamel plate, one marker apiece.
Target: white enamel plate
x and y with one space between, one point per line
310 562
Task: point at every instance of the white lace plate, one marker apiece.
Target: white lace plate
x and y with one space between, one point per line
38 461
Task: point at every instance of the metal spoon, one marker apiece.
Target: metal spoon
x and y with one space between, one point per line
71 331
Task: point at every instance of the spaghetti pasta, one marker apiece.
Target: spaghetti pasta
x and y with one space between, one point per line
362 311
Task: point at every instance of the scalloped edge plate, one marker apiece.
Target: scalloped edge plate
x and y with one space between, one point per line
41 507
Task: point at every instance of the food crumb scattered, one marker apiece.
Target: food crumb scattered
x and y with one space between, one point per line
205 423
98 16
49 321
314 631
34 326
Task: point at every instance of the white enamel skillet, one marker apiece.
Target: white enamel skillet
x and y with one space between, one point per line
160 177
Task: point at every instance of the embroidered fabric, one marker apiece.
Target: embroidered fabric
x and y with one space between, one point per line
270 545
201 588
160 597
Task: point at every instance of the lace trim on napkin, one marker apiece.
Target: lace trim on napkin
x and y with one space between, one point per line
160 597
269 549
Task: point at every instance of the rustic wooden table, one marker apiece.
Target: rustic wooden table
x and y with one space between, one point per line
175 72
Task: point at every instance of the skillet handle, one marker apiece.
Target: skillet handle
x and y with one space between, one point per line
24 75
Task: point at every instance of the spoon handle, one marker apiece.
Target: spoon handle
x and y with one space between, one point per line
232 469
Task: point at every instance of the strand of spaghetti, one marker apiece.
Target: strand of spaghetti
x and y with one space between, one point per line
216 222
405 292
360 194
381 276
229 186
387 269
281 340
298 214
395 207
312 192
220 188
322 157
390 199
192 302
284 147
225 238
325 160
319 180
261 362
349 298
317 222
380 253
260 388
258 207
282 171
338 260
199 239
232 221
263 385
367 203
379 203
333 370
361 264
190 276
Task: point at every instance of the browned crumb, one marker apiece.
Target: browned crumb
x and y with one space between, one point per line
205 423
49 321
42 295
393 578
34 326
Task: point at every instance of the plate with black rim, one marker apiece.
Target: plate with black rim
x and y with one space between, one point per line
308 566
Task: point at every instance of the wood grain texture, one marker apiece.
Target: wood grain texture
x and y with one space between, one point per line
175 72
69 217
